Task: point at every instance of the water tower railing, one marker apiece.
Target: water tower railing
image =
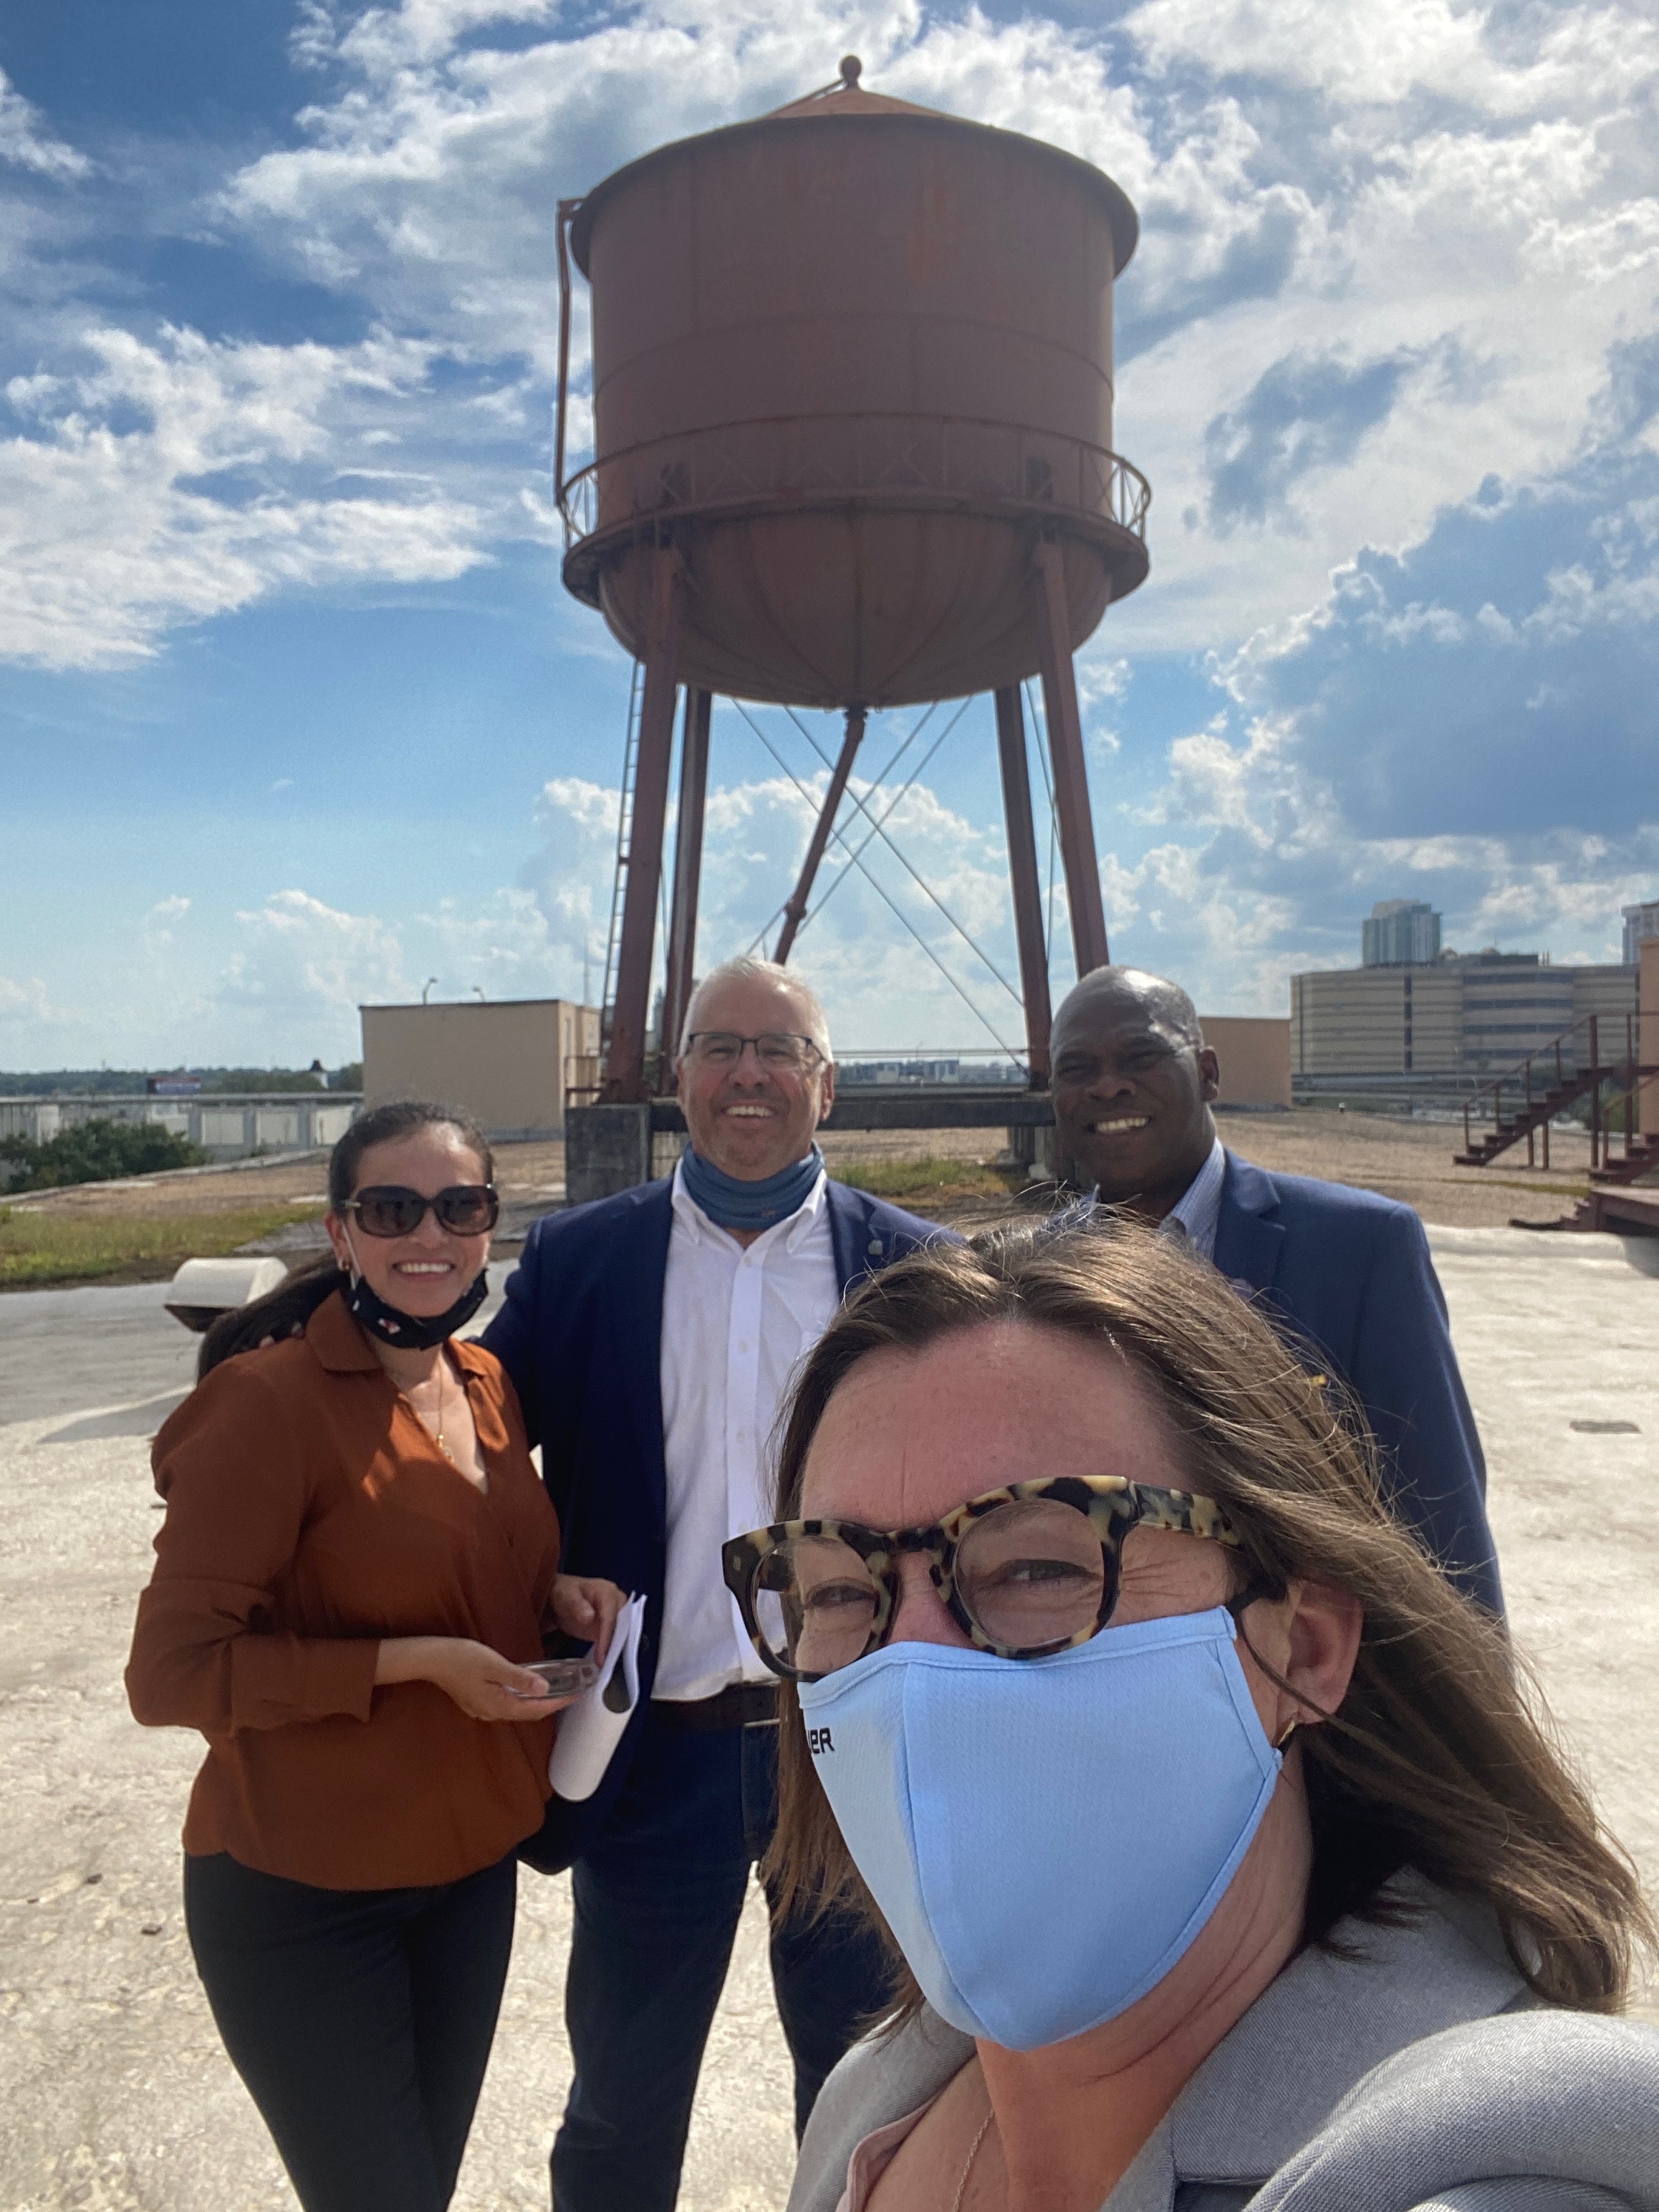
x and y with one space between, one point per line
901 457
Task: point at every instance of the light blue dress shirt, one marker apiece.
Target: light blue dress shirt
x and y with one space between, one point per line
1192 1221
1199 1212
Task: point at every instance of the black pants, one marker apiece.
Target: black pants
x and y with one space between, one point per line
658 1900
360 2020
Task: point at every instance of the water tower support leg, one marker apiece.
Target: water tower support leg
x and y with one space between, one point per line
687 873
624 1067
795 912
1077 828
1027 887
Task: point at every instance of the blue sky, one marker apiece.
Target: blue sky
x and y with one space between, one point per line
295 713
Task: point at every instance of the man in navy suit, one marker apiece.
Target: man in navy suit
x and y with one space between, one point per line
1344 1273
651 1337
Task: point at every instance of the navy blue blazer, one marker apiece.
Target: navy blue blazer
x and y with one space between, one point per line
580 1334
1349 1272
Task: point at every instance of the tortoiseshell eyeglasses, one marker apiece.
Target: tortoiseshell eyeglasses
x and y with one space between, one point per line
1026 1570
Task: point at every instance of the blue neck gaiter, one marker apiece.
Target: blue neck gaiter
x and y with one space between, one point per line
730 1203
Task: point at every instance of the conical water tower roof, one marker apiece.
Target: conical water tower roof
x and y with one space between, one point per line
848 96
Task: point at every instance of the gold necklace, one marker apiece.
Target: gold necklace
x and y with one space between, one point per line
962 2186
436 1433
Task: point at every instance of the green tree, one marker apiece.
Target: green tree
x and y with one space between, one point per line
261 1081
42 1082
97 1152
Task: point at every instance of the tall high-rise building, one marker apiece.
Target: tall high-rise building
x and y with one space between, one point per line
1640 922
1401 933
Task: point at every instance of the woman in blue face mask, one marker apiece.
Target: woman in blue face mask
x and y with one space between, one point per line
1221 1861
358 1568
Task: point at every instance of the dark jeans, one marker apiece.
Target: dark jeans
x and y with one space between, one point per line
658 1900
360 2020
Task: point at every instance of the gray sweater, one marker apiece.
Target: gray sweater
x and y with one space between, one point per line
1424 2077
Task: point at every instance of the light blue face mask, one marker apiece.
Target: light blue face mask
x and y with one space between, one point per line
1045 1838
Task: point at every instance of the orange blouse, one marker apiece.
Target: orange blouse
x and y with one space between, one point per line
310 1513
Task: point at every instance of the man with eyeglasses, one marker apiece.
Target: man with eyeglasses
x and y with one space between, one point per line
1345 1274
651 1337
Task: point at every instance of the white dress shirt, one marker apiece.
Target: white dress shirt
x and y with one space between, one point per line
736 1321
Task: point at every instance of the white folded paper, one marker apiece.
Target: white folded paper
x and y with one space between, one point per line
591 1729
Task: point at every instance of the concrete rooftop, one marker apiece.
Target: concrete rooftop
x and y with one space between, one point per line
114 2093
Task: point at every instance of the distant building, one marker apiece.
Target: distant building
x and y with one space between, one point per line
225 1125
1640 922
1254 1055
510 1062
1400 934
1470 1015
896 1071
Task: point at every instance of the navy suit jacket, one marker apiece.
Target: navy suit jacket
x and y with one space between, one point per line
1349 1274
580 1334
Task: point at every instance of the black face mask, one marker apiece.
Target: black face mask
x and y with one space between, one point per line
413 1332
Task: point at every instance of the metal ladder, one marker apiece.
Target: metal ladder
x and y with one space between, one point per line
619 878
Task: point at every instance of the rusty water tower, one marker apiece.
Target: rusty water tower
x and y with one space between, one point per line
851 391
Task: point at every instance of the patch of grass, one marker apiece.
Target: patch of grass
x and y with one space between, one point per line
37 1247
926 1179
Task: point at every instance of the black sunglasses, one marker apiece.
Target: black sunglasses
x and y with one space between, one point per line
389 1209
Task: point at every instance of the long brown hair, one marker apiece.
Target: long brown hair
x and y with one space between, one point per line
1440 1758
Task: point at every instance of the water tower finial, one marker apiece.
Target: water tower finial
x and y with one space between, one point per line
851 69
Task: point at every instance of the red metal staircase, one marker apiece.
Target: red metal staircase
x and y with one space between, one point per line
1577 1064
1640 1158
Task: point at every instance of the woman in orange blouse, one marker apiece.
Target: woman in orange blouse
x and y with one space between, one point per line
358 1559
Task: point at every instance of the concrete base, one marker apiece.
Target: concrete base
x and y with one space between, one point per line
607 1149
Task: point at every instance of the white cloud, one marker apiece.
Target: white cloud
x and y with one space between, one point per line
1213 781
504 948
30 1001
569 876
1421 178
1377 57
1457 202
1501 215
175 481
157 927
302 971
880 988
23 142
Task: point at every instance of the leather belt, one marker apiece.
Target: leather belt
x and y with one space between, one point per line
742 1705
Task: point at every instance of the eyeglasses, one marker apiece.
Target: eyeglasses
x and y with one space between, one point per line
778 1048
1026 1570
388 1209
